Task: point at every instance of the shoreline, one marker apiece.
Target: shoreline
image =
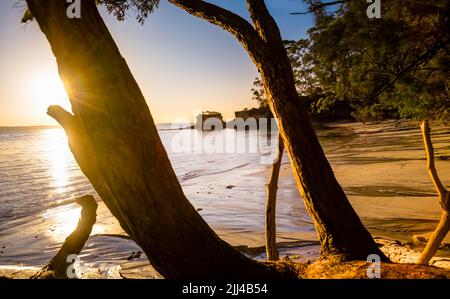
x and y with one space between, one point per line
381 167
302 252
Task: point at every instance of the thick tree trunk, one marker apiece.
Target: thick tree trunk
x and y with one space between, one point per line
339 227
444 224
271 203
115 142
74 243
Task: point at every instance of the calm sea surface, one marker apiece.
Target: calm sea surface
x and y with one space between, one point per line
39 180
380 166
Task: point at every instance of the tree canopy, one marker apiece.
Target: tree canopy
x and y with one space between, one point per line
397 66
119 8
351 66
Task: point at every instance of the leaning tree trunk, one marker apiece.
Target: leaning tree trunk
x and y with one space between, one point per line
115 142
339 227
444 223
271 204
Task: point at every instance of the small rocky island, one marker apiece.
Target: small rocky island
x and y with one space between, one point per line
257 113
201 120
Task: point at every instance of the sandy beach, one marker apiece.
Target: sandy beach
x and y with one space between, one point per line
381 167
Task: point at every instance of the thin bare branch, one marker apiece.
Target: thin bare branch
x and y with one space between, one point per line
272 187
444 224
431 167
316 7
435 239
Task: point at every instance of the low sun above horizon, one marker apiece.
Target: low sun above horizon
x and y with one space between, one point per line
47 89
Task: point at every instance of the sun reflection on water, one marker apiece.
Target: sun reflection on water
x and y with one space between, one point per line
57 154
63 221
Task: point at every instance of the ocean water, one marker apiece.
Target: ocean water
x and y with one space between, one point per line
380 166
39 181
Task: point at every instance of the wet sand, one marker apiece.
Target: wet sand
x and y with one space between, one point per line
382 170
381 167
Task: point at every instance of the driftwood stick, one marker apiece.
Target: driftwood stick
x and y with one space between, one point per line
431 167
74 243
435 239
444 224
272 187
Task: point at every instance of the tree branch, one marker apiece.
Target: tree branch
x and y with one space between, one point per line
74 243
271 203
316 7
227 20
435 239
320 5
444 224
431 168
413 66
64 118
264 23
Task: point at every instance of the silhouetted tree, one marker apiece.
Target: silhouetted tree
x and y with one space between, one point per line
397 66
339 228
115 142
133 175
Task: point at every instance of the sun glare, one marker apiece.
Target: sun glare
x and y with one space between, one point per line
58 156
63 221
47 89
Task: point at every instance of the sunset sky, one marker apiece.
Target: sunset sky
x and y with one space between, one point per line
182 64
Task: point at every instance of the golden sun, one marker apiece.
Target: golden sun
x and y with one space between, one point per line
47 89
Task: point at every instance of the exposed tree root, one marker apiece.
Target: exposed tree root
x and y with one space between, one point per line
74 243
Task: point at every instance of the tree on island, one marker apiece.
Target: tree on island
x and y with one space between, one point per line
115 142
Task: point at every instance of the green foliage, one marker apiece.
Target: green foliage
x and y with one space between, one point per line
396 66
119 8
258 92
302 66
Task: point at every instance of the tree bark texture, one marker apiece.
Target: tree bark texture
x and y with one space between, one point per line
339 228
114 140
